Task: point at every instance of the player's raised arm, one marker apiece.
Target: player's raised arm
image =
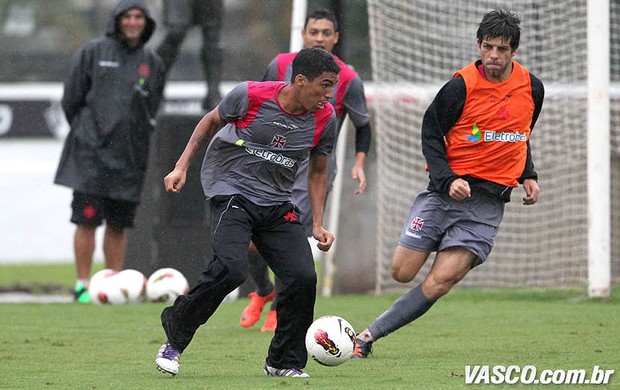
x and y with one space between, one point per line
203 132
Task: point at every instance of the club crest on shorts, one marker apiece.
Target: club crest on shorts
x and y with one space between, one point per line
417 224
414 227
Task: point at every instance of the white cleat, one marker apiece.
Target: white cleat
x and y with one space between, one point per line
168 359
287 372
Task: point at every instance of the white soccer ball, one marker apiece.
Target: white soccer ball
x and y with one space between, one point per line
100 285
128 286
232 296
330 340
165 285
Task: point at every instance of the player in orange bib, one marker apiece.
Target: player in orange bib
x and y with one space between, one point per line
476 141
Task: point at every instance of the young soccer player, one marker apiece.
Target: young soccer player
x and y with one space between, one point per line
263 131
321 31
476 141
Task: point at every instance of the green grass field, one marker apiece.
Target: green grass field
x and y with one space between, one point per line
70 346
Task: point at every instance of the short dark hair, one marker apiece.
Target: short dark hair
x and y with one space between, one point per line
500 23
313 62
322 13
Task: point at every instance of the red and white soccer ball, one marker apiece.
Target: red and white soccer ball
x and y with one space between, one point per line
330 340
165 285
100 286
128 286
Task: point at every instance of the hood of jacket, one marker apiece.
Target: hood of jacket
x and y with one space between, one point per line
124 6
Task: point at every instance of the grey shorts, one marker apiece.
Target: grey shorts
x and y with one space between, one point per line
437 222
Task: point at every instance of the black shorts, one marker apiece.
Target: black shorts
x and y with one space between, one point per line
91 210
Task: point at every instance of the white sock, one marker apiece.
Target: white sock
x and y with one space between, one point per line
81 282
365 336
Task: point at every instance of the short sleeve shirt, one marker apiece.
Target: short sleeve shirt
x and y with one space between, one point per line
258 152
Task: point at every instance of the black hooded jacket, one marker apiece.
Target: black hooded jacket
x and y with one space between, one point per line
110 98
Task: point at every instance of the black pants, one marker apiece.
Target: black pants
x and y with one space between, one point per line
280 237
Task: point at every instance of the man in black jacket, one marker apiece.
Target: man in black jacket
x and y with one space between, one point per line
111 96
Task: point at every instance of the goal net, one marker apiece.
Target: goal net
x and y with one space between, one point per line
416 47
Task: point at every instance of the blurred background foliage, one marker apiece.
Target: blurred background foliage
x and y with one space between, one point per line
38 37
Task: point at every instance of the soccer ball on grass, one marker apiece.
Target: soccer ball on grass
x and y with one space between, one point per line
330 340
100 285
127 286
165 285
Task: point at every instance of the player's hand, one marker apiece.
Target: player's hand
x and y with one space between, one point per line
358 174
175 180
325 239
532 191
459 189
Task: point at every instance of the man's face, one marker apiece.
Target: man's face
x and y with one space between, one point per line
320 33
496 56
132 25
315 93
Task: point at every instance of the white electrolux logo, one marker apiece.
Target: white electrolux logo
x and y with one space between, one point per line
493 136
271 156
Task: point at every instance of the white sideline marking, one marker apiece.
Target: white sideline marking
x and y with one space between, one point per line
23 297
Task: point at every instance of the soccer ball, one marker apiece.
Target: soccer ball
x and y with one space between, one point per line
128 286
165 285
232 296
100 285
330 340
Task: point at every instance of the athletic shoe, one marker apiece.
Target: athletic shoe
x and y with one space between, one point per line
251 313
168 359
288 372
271 322
80 294
362 349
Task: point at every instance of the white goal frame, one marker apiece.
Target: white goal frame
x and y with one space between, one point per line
599 151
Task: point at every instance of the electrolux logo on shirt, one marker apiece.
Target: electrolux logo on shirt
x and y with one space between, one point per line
271 156
493 136
475 134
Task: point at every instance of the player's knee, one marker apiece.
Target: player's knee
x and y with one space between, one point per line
237 277
401 274
304 278
434 287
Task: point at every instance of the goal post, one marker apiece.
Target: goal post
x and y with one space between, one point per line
568 238
599 224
